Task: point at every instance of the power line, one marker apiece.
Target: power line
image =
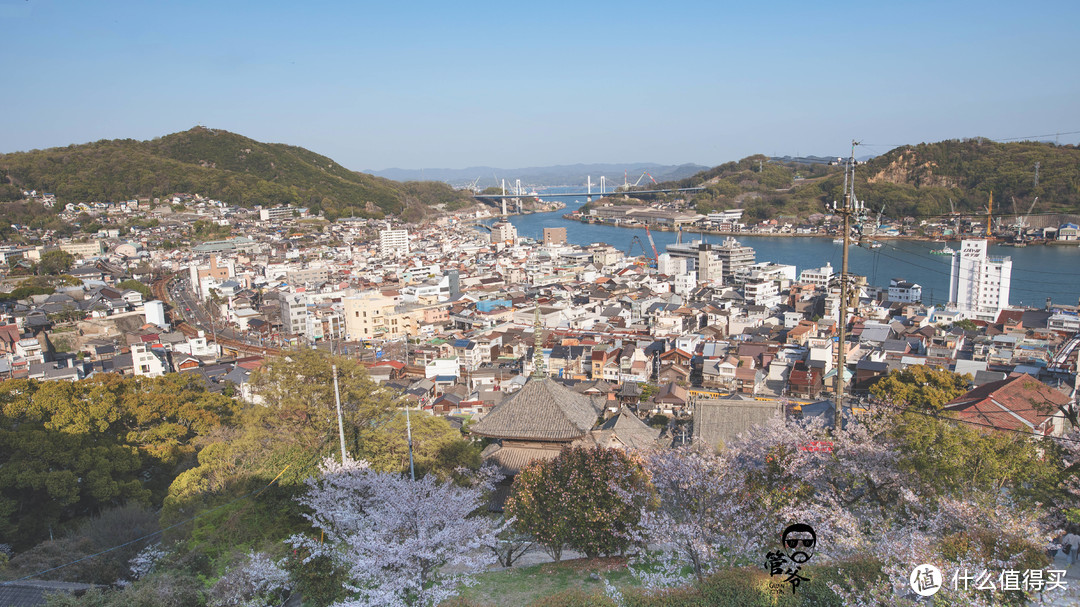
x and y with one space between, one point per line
974 423
925 256
944 273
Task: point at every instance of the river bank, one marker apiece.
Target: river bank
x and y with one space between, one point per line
588 220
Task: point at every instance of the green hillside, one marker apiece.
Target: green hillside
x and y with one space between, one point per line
914 180
213 163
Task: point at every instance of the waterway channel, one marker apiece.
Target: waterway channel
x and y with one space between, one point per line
1038 272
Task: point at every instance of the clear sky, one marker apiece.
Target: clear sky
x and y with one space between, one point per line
510 84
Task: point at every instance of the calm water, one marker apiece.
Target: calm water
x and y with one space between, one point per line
1037 273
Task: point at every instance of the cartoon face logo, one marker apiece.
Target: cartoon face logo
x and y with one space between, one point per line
799 540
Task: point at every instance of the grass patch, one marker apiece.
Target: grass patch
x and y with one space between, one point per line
525 585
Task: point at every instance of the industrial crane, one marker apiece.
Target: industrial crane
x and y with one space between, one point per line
652 243
626 183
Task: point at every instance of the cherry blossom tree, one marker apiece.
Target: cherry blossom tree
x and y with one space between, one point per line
259 581
402 542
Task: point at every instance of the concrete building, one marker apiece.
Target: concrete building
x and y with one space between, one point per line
554 236
820 277
394 243
294 313
276 213
709 267
155 313
979 285
205 277
146 362
504 232
903 291
671 266
92 248
735 256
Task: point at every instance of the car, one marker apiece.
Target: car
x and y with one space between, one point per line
187 309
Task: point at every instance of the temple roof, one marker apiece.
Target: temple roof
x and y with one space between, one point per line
542 410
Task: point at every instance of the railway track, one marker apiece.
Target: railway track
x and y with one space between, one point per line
160 290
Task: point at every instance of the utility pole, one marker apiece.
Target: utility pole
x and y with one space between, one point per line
408 433
845 212
340 425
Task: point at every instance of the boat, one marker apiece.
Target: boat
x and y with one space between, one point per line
838 241
945 250
876 245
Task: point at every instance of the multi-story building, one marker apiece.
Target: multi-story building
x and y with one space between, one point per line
394 243
710 268
735 256
311 275
294 313
979 285
820 277
93 248
671 266
554 236
504 232
204 277
903 291
762 293
146 362
276 213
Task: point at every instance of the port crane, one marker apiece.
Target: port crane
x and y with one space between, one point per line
655 258
626 180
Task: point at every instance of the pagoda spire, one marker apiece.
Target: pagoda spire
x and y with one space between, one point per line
538 345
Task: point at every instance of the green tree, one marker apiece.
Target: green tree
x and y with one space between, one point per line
68 450
572 500
135 285
56 262
920 386
437 447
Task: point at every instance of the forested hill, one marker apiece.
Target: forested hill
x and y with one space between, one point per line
213 163
916 180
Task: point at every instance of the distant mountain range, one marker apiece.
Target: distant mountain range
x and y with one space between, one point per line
564 174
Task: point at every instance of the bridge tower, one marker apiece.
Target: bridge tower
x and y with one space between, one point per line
588 184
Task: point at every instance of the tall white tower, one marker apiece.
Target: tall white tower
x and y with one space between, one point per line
979 285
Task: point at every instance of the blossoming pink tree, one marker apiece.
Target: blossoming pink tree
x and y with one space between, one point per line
402 542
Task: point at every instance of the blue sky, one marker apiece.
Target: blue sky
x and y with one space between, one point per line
456 84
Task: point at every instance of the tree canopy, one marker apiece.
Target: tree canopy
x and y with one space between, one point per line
920 386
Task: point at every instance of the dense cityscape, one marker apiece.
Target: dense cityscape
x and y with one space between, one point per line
539 305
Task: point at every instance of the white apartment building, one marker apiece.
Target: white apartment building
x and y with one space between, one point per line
394 243
504 232
979 285
294 313
685 283
762 293
146 362
903 291
671 266
276 213
818 276
710 268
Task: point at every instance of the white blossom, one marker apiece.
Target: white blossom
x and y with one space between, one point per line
401 542
258 582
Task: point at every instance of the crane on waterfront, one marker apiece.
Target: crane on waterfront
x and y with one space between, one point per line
652 243
626 181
